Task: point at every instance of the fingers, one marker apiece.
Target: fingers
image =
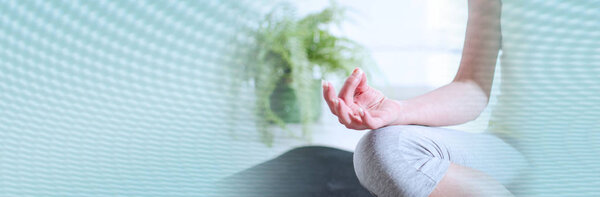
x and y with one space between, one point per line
346 114
360 121
343 112
355 119
349 114
330 98
363 82
370 121
347 91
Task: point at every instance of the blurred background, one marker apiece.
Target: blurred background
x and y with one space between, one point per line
161 97
415 47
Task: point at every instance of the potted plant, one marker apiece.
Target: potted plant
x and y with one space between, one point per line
292 55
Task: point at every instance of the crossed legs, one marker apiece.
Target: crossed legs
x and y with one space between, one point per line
427 161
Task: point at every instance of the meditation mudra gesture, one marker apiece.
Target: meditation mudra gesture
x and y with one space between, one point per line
399 158
546 85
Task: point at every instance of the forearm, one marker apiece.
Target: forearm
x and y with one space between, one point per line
467 96
360 107
455 103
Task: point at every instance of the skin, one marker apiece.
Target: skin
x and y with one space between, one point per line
359 106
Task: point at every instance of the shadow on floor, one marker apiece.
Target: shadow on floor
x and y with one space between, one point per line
304 171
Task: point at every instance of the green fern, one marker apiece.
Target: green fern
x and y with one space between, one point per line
292 50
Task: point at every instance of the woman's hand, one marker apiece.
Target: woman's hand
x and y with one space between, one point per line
359 106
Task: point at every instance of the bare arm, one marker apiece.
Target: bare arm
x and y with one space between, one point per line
359 106
464 98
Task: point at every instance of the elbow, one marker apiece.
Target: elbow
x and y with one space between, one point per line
474 89
476 98
475 110
478 106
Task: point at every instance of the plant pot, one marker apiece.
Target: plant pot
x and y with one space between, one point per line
285 105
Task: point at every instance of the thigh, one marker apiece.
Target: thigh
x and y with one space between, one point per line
484 152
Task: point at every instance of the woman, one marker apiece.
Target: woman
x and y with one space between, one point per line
538 89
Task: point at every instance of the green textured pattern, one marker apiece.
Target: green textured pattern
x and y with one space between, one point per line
285 104
550 93
128 98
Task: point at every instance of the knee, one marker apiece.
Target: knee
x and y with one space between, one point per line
380 145
386 160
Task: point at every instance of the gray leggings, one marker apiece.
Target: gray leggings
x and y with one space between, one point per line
411 160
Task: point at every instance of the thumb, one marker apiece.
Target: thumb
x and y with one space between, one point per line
348 90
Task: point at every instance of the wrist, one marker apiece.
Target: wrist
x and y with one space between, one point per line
399 108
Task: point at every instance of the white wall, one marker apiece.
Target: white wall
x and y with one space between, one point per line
414 42
417 44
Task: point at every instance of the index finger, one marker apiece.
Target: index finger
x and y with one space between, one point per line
330 98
